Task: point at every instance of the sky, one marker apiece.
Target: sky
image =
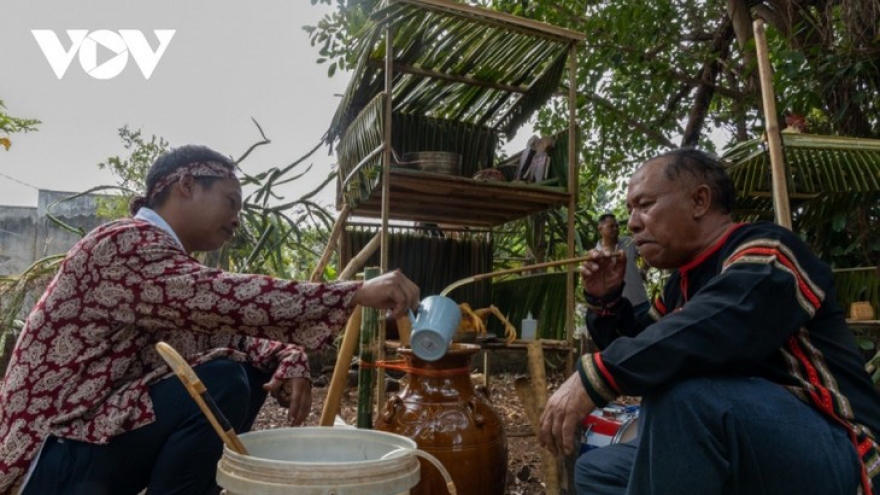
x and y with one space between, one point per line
227 62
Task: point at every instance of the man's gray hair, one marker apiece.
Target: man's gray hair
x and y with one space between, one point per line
704 168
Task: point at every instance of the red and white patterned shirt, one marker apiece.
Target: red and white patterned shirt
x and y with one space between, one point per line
85 360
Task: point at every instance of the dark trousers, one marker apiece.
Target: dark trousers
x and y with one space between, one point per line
725 436
177 454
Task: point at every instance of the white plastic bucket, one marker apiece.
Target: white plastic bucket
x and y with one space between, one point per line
320 461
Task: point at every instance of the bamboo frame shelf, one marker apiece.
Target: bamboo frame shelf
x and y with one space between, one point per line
430 197
442 76
458 89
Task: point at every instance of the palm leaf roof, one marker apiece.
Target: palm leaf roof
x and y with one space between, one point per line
814 165
825 175
457 62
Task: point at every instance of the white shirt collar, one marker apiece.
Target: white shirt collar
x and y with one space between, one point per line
151 216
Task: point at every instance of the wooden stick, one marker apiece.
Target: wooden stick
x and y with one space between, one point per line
774 140
358 261
340 371
526 394
510 271
537 373
331 244
200 394
538 378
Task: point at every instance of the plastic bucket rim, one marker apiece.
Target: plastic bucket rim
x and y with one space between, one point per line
276 434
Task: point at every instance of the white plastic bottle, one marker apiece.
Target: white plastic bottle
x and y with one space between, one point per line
529 328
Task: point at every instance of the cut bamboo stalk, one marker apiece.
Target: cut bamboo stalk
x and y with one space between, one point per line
538 379
508 21
331 244
526 394
537 373
358 261
368 347
774 141
340 370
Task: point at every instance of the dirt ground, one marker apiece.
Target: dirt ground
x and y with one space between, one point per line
524 464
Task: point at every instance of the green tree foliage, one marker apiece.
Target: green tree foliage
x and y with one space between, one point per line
131 172
653 76
11 125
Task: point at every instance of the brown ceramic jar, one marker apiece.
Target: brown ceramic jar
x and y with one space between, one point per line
442 412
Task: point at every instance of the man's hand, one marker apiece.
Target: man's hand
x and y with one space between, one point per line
604 273
295 394
391 290
565 409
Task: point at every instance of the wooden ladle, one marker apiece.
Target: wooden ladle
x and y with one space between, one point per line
200 394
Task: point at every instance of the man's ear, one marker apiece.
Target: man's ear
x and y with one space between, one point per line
701 198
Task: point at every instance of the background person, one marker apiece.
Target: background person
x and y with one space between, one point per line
89 406
750 380
611 241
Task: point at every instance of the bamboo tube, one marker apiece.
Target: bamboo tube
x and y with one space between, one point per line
510 271
358 261
526 394
331 244
365 375
774 140
340 371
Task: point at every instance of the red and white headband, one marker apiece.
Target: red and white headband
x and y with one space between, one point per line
195 169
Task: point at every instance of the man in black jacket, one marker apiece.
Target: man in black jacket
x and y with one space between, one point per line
750 379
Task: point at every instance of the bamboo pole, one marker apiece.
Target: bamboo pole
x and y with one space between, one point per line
488 17
443 76
368 348
340 370
572 200
774 140
385 251
485 276
331 243
358 261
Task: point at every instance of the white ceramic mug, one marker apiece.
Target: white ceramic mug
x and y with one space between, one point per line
432 329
